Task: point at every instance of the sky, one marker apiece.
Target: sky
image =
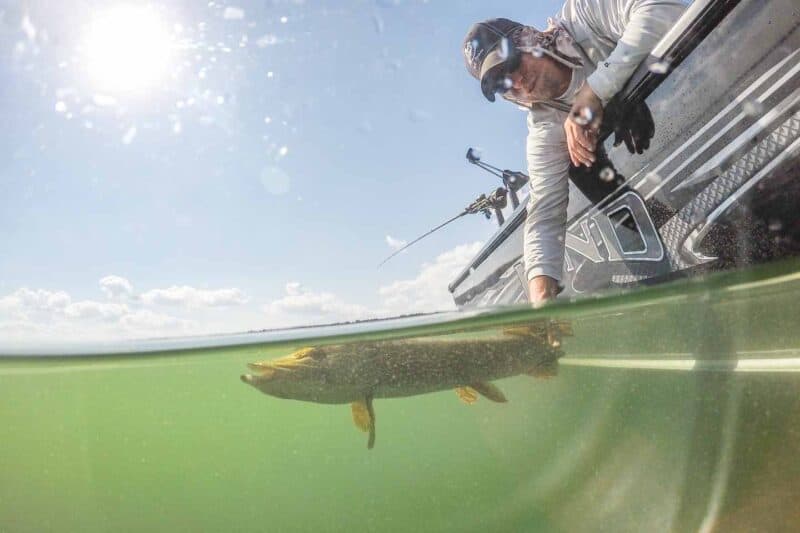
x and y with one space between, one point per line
185 167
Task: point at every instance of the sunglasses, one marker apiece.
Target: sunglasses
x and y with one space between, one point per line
498 79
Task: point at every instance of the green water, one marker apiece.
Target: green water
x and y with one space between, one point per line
675 408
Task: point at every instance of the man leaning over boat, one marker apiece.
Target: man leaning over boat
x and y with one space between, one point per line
565 76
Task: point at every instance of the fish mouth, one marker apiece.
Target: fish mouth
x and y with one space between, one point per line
277 368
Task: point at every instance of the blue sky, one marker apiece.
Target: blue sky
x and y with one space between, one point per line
254 181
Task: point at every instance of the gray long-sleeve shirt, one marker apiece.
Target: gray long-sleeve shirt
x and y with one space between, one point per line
613 37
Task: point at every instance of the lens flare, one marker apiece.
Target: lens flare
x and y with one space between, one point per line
129 48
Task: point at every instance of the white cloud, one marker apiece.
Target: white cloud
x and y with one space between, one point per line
191 297
427 292
301 306
25 303
395 244
90 309
38 314
116 287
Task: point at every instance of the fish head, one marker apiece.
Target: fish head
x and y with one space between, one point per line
322 374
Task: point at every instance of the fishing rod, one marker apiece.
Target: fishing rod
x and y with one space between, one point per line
495 202
483 204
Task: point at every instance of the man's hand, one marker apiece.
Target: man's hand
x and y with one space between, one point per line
542 289
582 126
634 127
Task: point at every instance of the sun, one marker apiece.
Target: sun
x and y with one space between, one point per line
129 48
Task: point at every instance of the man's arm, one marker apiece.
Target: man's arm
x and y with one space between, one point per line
545 225
648 22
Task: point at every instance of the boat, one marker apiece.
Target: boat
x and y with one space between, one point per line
717 188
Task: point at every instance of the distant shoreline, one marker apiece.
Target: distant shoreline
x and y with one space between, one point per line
346 323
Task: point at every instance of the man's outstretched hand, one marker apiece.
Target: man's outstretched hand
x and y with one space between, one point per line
582 126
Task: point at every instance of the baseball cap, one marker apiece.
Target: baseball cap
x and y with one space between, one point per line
490 54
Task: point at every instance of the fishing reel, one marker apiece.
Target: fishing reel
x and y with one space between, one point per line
512 180
494 203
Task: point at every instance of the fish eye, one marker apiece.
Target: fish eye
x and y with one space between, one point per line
302 353
314 353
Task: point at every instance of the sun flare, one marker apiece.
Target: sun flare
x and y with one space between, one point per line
129 48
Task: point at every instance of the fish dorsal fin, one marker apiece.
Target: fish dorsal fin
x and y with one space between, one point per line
489 391
467 395
364 418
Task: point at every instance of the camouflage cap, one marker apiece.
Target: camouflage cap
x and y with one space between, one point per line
489 49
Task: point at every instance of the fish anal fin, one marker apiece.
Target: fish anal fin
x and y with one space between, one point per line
490 391
467 395
364 418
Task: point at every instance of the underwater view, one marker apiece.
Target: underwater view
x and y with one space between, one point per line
676 407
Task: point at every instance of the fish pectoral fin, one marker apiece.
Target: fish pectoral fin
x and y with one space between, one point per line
467 395
360 415
490 391
364 418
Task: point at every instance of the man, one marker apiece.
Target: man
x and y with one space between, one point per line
565 76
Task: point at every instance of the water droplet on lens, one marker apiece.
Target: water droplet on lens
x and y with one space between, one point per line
660 67
507 83
607 174
583 117
503 48
753 108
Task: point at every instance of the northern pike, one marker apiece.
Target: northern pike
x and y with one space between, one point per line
359 372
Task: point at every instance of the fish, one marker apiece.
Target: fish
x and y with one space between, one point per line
359 372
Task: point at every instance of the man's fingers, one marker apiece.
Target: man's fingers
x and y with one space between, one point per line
586 139
570 150
584 156
580 144
629 143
